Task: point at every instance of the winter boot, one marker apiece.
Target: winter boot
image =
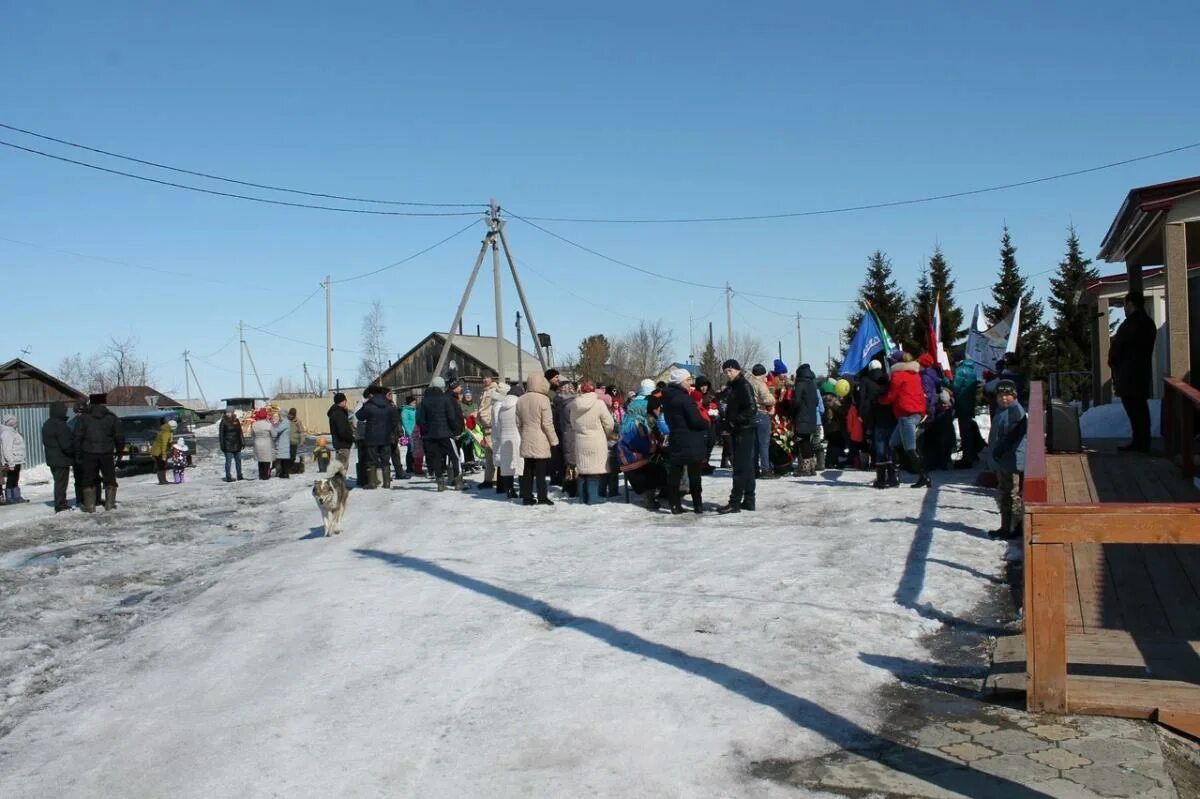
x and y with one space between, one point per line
893 475
441 483
1005 524
651 500
387 477
748 503
500 485
485 484
162 477
17 495
460 484
919 465
734 505
89 500
880 475
677 508
697 505
110 497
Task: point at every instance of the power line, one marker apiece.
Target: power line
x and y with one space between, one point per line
264 200
660 275
579 297
298 307
405 260
235 181
866 206
788 315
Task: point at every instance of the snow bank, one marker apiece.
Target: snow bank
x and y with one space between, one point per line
457 644
208 430
35 475
1110 421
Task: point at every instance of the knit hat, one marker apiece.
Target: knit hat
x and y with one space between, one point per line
181 445
925 361
646 388
780 367
874 364
260 414
677 376
1006 387
703 381
10 421
731 364
437 382
339 398
758 370
172 424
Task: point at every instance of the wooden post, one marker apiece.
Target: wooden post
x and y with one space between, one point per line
1102 392
1179 353
1046 627
462 306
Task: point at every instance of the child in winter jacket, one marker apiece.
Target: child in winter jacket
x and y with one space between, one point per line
12 458
178 459
1006 445
321 454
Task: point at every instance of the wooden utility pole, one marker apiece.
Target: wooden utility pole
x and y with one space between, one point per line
799 342
729 320
328 335
494 215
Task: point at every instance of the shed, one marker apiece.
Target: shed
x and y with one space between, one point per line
23 385
140 397
475 357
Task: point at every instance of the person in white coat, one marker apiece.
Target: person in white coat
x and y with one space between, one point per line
506 440
281 436
264 447
12 458
591 425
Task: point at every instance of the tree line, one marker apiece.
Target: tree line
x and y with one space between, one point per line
1062 344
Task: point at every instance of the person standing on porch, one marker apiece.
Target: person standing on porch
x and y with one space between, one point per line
1131 356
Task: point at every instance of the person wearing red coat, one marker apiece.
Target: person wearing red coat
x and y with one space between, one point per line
907 398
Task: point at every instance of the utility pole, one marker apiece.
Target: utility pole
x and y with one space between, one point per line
187 363
242 355
729 320
691 333
494 222
187 378
799 342
520 352
328 333
306 381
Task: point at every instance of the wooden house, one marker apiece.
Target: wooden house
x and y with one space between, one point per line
23 385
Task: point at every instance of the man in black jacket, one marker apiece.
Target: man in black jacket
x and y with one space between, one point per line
98 438
60 452
1131 357
341 431
688 440
232 443
740 412
394 444
440 418
804 418
381 419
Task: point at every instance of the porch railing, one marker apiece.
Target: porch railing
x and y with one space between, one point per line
1180 403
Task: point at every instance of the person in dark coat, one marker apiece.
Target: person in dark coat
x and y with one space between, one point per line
77 413
440 418
99 437
397 431
804 410
341 430
688 442
232 443
741 410
382 420
60 452
560 413
1131 356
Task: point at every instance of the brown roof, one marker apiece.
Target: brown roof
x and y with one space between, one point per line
1143 207
136 395
18 368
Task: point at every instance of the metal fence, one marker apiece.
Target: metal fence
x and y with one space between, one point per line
29 423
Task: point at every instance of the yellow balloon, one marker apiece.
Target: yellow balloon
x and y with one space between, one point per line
842 387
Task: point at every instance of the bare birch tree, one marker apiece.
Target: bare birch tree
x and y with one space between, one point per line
643 351
745 348
374 349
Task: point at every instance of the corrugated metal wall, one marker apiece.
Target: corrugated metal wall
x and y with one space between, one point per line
29 422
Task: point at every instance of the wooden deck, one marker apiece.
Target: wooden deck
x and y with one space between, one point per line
1132 611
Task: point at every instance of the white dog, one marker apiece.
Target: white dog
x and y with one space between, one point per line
331 494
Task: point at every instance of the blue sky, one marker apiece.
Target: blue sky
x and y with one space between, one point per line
557 109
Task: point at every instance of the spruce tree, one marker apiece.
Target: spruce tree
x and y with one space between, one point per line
935 282
879 289
710 366
1072 330
1010 287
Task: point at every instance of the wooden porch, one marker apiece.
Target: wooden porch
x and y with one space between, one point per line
1112 582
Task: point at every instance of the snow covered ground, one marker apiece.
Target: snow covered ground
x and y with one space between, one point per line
203 640
1111 421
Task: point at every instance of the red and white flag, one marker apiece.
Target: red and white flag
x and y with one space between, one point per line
935 338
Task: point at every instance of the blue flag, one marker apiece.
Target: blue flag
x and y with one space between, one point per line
868 340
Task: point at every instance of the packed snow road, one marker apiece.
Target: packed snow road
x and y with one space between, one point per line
203 640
